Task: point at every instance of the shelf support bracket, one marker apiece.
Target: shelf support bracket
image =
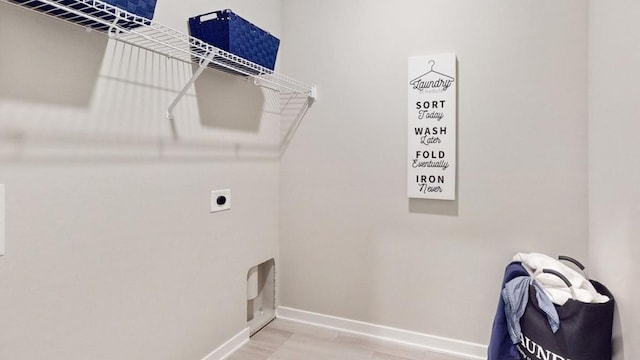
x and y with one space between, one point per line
313 94
113 29
203 65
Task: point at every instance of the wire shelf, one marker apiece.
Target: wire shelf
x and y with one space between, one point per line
147 34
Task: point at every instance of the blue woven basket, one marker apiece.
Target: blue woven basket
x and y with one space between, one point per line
231 33
141 8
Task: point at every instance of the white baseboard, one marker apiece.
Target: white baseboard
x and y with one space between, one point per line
233 344
462 349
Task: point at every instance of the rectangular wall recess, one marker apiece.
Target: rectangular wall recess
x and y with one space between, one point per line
261 293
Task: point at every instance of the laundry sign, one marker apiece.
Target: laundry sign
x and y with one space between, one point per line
431 163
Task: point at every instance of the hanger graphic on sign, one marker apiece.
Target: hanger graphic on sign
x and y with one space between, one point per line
432 63
442 82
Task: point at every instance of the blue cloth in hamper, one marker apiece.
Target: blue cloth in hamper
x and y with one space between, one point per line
516 297
500 345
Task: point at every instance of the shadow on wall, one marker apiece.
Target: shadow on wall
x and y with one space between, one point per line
617 336
434 207
634 332
626 322
227 102
37 67
69 95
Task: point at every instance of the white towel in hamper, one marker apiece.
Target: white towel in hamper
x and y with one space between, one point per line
554 286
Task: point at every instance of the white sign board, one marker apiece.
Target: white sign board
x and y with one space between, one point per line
431 163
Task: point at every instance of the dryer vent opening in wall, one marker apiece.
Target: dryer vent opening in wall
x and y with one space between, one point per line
261 294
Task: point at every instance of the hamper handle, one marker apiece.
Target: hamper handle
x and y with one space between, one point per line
571 260
576 263
563 278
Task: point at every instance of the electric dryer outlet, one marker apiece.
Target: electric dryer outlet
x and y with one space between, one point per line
220 200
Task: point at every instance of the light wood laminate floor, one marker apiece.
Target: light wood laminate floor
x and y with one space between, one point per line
288 340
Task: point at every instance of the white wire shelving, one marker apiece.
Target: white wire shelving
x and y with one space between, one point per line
147 34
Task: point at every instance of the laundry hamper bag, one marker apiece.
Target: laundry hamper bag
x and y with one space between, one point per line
138 12
584 333
227 31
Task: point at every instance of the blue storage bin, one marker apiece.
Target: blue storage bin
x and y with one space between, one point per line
141 8
230 32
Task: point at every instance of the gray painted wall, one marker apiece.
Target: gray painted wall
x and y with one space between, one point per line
352 244
111 250
614 169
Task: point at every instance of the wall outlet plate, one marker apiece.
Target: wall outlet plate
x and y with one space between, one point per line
220 200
